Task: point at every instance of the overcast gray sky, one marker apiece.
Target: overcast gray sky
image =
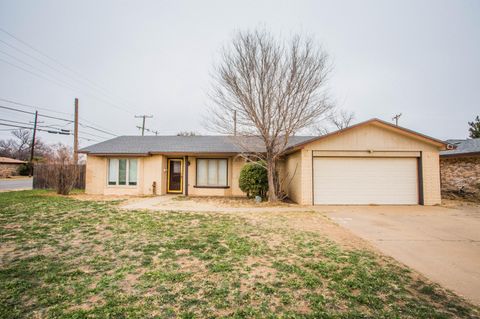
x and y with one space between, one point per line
418 58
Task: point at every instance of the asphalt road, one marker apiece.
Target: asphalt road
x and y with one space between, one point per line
15 184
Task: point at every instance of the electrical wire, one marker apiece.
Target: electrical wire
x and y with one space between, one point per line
51 110
77 74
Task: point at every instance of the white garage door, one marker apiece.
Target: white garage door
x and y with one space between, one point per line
357 180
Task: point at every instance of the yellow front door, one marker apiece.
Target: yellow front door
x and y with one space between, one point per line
175 176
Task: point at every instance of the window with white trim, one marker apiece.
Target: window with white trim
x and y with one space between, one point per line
122 171
212 172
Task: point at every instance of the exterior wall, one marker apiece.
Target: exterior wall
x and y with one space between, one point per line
431 178
154 169
293 176
96 178
7 170
460 175
371 138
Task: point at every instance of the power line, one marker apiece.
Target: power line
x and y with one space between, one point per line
73 85
57 62
54 111
38 129
33 113
56 118
65 85
97 87
35 107
37 75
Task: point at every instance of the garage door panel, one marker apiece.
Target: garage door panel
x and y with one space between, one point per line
344 180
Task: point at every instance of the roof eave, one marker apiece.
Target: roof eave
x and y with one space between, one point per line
441 144
468 154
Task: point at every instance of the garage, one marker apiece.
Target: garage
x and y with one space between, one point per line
365 180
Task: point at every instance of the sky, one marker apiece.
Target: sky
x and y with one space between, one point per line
127 58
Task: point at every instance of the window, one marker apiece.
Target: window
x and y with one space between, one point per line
212 172
121 171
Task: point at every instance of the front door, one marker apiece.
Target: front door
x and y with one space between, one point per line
175 168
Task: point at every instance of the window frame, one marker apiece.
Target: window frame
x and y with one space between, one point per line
127 173
209 159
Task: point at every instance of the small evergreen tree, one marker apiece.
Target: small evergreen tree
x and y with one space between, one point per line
474 128
254 179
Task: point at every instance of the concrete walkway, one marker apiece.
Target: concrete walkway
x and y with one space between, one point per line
441 243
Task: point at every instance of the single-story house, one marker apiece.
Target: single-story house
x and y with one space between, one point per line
460 168
373 162
9 166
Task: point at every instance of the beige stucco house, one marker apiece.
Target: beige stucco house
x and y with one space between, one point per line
9 166
373 162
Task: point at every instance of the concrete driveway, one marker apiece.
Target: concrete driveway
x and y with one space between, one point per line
442 243
15 184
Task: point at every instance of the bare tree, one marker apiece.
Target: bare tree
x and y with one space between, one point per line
276 88
19 147
342 119
65 169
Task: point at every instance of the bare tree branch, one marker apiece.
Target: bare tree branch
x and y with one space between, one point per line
342 119
276 88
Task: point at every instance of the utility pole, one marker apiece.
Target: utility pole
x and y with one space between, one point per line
396 117
143 122
75 134
235 123
32 149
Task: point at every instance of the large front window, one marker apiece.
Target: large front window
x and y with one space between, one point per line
122 171
212 172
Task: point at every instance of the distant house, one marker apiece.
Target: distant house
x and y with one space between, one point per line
373 162
9 166
460 168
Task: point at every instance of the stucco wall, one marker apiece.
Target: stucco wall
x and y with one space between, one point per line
292 176
96 178
7 170
154 169
371 138
460 174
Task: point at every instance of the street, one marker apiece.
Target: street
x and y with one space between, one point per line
15 184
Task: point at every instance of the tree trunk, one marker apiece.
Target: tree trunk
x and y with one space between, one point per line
272 185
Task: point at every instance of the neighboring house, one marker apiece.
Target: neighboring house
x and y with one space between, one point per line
460 168
9 166
373 162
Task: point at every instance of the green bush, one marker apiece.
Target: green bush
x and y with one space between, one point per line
25 169
253 179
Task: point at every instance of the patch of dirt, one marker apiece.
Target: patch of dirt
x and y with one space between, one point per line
260 269
460 203
90 303
106 198
312 221
189 263
235 201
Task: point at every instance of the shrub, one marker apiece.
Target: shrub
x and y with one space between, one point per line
25 169
253 179
60 172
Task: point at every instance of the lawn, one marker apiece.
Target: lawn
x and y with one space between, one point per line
65 258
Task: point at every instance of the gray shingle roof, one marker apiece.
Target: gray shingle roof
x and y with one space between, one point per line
463 147
178 144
